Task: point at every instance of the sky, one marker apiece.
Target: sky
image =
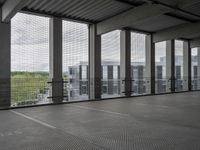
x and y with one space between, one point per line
30 44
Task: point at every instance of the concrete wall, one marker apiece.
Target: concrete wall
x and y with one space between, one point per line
5 61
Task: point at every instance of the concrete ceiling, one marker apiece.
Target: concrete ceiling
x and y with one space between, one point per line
98 11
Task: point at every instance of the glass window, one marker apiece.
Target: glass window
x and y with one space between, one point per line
105 72
84 72
75 60
115 72
29 59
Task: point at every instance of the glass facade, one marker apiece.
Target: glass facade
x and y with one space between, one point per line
29 60
138 64
75 61
110 56
161 79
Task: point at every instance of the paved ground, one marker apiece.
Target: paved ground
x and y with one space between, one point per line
165 122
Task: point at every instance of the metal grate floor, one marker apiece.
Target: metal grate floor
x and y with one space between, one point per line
165 122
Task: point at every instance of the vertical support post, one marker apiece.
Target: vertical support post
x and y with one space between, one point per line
150 65
170 66
55 76
94 63
5 70
186 66
125 63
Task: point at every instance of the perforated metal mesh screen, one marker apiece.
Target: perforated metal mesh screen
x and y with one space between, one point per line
160 67
195 68
179 76
138 63
29 59
29 43
75 60
110 64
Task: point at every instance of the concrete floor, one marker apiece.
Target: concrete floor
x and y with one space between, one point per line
165 122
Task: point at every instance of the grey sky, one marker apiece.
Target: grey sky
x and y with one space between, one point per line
30 44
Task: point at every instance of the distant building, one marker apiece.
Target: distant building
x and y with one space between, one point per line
78 78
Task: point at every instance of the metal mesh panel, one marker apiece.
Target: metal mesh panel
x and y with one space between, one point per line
138 64
179 65
29 59
160 67
195 69
75 60
111 64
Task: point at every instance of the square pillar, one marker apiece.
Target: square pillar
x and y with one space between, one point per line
5 69
94 64
170 66
150 65
125 63
186 66
55 77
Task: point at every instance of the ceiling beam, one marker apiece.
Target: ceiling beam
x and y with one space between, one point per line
131 17
186 3
195 43
10 8
142 13
184 31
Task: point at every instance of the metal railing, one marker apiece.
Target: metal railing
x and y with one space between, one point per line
33 91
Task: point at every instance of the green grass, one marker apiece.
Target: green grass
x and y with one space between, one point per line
26 85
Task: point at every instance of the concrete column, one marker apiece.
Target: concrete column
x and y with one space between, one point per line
150 65
125 63
55 76
170 66
186 66
5 70
94 63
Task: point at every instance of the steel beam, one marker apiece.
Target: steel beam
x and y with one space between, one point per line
10 8
131 17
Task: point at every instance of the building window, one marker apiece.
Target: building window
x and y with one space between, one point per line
105 73
84 72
